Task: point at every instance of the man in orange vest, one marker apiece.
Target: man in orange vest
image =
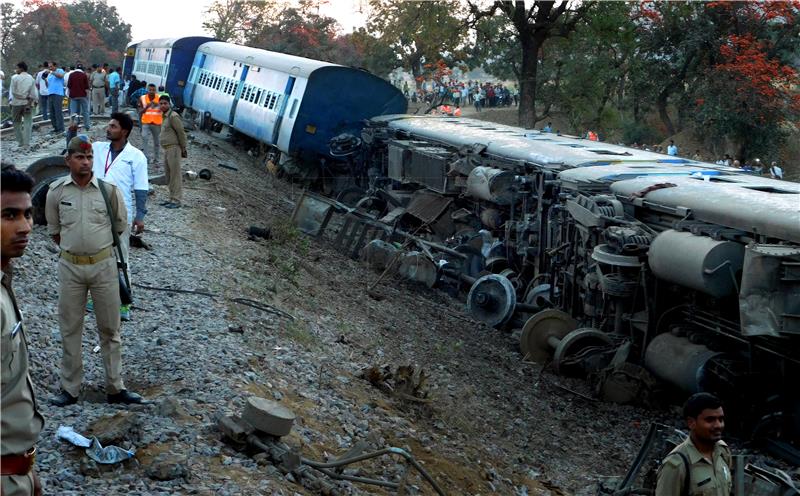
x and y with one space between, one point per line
150 117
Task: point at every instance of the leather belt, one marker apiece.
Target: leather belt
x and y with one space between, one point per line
87 259
18 464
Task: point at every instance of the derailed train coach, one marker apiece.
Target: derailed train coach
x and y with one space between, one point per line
634 268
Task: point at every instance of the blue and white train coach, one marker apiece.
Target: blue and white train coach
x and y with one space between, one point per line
292 103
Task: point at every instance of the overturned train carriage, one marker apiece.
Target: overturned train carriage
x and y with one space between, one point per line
614 262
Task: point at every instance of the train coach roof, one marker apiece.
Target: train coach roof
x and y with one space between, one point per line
752 204
298 66
528 145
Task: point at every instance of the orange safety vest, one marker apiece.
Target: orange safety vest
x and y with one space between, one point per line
151 115
457 112
593 136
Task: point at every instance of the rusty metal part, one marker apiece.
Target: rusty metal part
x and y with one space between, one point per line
543 332
575 343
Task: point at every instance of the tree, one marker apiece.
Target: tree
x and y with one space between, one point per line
417 32
533 26
233 20
298 31
9 23
87 31
749 90
108 35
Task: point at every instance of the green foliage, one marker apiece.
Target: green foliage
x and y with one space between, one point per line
417 33
87 31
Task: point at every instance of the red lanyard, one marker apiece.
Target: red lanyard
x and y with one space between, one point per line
108 166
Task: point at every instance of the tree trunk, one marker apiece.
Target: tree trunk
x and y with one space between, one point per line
416 69
661 103
527 81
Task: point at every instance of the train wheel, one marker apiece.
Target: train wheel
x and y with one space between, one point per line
543 332
571 353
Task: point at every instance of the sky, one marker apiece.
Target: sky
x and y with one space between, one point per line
178 18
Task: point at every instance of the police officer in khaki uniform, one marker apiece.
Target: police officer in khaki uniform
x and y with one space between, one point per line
20 422
173 141
78 220
704 452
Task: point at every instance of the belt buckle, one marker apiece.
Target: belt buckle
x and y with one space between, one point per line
31 456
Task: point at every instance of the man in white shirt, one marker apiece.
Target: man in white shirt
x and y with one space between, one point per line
775 171
120 163
41 85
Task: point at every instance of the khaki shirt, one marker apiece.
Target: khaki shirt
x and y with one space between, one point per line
708 477
23 89
97 80
20 421
172 132
79 215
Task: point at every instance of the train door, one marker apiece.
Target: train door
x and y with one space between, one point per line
238 94
276 129
165 70
194 77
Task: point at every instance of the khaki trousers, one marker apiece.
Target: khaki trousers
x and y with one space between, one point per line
98 101
101 280
17 485
22 116
172 171
151 132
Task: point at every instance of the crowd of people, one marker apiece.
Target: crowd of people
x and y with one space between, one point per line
754 166
459 94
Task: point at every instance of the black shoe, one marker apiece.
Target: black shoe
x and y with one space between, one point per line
63 399
125 397
172 205
165 203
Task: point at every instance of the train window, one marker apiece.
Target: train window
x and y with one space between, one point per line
272 102
266 100
294 108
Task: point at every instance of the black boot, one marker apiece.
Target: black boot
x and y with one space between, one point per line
126 397
63 398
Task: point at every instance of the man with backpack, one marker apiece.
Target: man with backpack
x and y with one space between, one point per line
701 465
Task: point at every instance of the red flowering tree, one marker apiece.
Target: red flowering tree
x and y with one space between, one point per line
749 91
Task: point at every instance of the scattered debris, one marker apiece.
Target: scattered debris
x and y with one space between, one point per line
405 382
204 174
259 232
107 455
229 167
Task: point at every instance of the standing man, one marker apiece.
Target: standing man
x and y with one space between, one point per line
23 99
114 86
41 85
55 100
78 86
702 463
775 171
672 149
150 117
80 224
173 140
120 163
20 422
99 82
